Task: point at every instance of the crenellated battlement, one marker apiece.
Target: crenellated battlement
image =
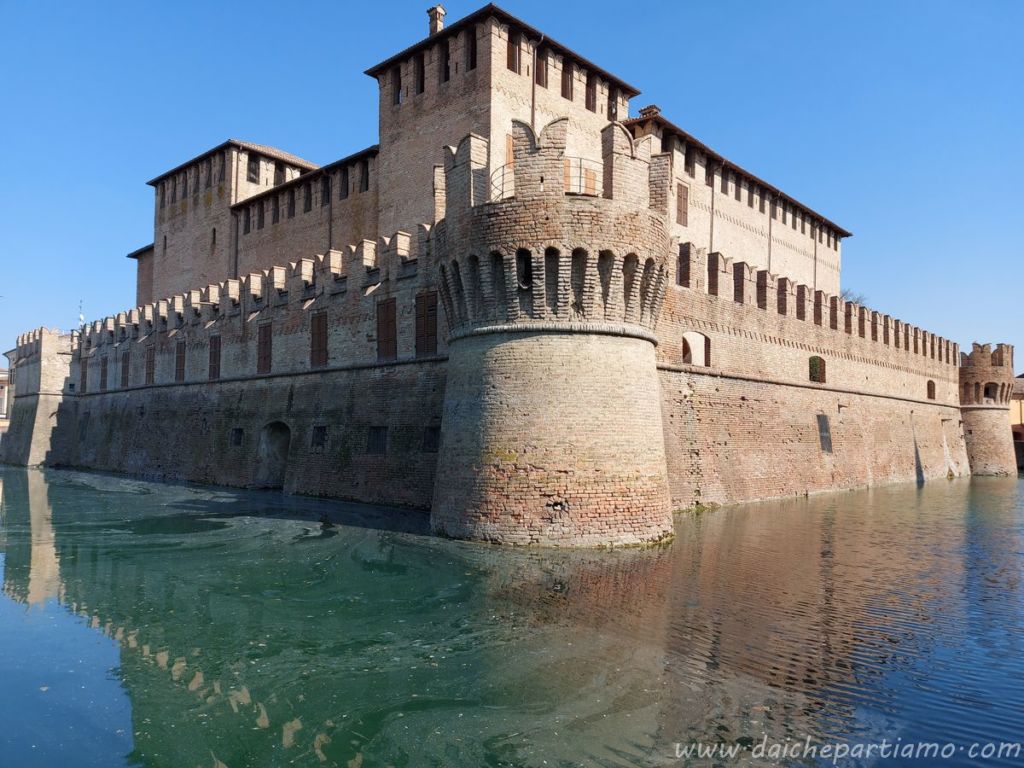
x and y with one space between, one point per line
545 248
986 376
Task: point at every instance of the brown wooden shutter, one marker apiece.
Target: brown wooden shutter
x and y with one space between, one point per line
214 358
426 324
682 204
263 349
387 337
318 340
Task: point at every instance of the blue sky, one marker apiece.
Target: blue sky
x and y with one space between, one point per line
899 120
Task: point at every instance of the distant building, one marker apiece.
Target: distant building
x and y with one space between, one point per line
6 396
1017 418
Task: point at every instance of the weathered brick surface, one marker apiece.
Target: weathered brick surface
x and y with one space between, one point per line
986 390
602 353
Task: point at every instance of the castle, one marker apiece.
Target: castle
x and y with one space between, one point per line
630 323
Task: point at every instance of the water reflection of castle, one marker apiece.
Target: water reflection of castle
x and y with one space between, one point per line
276 646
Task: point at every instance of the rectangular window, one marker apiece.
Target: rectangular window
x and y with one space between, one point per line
725 181
739 189
291 202
396 85
318 340
683 266
682 204
364 175
278 173
307 198
83 376
325 191
591 93
377 441
254 169
387 337
426 324
613 103
471 48
760 199
259 215
275 209
709 175
566 79
179 361
264 349
343 184
103 374
540 74
689 161
514 50
214 358
125 368
446 61
824 433
319 438
419 73
150 365
236 436
431 439
246 220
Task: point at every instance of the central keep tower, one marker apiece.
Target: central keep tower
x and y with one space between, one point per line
552 273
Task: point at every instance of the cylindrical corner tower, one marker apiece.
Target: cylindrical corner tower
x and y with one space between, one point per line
552 431
986 385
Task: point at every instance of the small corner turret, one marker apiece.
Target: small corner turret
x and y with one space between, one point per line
986 386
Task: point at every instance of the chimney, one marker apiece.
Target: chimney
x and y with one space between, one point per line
436 14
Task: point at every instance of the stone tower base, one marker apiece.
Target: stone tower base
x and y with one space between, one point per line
552 437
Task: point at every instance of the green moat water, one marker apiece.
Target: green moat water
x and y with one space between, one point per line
159 625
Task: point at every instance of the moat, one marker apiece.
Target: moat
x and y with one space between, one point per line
163 625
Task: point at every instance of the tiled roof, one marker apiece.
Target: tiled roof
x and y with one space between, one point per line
139 251
263 149
370 151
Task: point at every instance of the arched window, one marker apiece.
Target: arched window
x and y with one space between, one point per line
696 349
991 391
816 370
931 390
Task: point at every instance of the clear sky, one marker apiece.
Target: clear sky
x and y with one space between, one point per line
899 120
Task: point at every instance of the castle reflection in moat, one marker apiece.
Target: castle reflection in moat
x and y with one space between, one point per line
248 637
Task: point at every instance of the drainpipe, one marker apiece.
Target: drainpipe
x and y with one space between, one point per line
711 234
533 86
234 246
330 215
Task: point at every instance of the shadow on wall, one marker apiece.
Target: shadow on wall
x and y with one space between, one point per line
272 456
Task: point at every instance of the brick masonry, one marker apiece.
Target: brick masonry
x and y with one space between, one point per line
511 326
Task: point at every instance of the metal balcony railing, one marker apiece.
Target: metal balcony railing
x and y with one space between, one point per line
582 176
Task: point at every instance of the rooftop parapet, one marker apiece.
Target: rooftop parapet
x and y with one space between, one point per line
986 375
717 275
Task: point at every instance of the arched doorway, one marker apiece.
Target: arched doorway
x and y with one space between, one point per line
272 455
